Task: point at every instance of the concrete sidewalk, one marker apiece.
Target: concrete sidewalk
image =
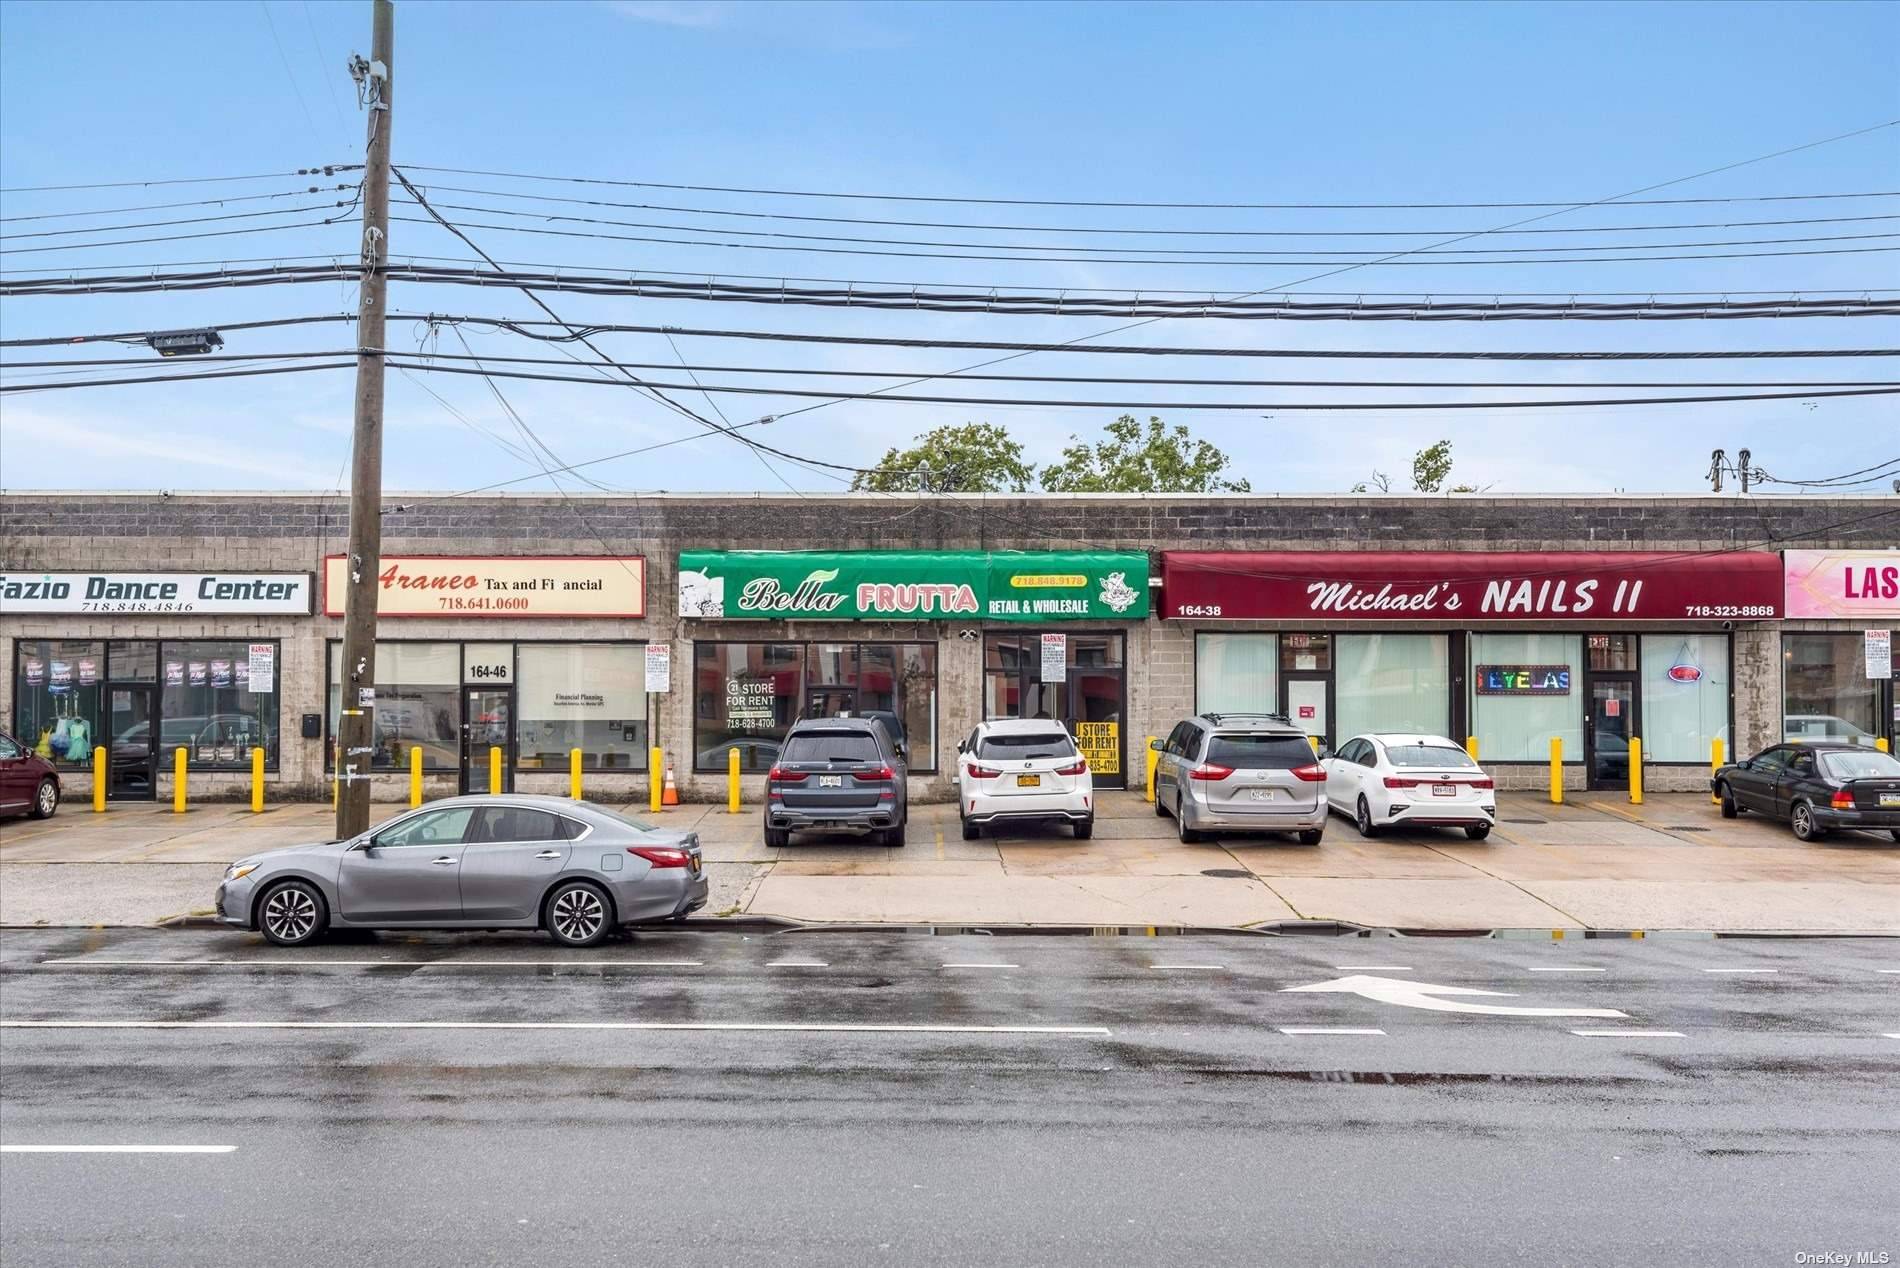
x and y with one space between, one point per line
1595 862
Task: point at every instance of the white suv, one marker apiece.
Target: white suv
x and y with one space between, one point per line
1019 769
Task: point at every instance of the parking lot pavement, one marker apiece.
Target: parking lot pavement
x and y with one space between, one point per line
1594 862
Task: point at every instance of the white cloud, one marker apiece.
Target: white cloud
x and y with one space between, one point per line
693 14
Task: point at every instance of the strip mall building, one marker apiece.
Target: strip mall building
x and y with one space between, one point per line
705 625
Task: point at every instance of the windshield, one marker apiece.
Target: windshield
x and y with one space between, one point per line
1429 756
1259 752
1020 746
831 746
1870 765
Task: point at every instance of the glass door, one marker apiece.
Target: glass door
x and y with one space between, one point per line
1309 703
132 722
488 715
1607 731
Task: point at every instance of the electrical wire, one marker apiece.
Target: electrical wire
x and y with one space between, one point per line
190 202
186 220
1879 471
325 169
177 378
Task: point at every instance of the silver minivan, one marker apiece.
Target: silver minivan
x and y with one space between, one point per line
1241 772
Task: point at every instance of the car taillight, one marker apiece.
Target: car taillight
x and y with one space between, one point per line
1210 772
1081 767
984 772
1842 799
662 855
1399 781
1483 783
1312 773
868 776
780 775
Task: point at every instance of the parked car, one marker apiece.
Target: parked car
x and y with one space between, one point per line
1241 772
1817 788
1018 770
1390 780
837 773
29 784
573 868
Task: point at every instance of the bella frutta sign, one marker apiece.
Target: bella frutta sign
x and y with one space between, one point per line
868 585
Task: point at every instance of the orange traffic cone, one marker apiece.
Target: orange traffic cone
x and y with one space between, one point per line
670 795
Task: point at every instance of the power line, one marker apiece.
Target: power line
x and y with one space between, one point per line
327 169
177 378
288 74
190 202
184 220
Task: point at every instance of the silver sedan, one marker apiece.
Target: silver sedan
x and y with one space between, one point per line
572 868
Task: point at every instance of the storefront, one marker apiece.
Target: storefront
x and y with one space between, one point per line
1510 649
870 631
144 698
1836 645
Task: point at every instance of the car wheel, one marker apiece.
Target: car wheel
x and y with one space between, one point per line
1894 833
1085 829
577 914
1362 819
1161 810
292 914
778 838
1187 835
970 831
895 836
45 799
1312 836
1805 828
1478 831
1730 808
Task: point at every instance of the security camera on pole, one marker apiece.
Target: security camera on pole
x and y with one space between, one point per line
356 726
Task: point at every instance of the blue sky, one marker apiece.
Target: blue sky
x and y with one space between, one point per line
1131 102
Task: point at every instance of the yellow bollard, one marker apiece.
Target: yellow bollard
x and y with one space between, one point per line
656 777
100 774
494 770
1881 743
1556 770
1715 763
178 780
1314 741
1636 771
1471 747
415 775
732 781
574 774
1154 759
257 780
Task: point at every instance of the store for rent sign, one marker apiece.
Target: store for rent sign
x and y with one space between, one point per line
498 585
1842 583
913 585
1471 587
157 593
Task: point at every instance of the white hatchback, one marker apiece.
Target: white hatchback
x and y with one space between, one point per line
1015 770
1390 780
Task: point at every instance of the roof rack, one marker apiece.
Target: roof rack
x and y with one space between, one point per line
1222 719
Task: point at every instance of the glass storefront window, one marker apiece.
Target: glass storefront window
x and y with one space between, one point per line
1300 651
917 701
1610 651
1824 691
1685 696
418 704
1392 682
745 697
56 698
134 662
1516 725
206 705
586 696
1236 673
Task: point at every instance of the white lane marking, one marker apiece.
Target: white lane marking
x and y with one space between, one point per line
1373 968
798 964
1630 1034
1215 967
1741 970
1891 1036
1330 1030
811 1027
117 1149
1887 970
979 966
1561 968
1413 994
381 964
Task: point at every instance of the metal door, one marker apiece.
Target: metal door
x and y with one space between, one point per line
488 717
137 740
1607 731
1308 698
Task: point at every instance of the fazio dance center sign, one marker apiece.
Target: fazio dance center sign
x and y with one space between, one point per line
1472 587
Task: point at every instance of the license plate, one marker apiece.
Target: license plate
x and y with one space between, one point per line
831 781
1890 799
1028 781
1260 794
1444 790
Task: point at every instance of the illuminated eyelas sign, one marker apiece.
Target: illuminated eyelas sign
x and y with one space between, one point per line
1523 680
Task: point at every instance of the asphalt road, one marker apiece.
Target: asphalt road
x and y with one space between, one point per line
852 1098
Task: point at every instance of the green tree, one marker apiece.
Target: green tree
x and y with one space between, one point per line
1133 459
1431 467
972 458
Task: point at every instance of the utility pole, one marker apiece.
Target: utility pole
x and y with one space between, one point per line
356 726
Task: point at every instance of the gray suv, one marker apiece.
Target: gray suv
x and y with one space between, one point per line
1241 772
840 773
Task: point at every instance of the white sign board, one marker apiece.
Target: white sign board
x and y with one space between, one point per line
156 593
659 667
263 668
488 663
1055 657
1879 653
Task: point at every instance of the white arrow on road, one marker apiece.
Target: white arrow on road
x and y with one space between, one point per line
1392 990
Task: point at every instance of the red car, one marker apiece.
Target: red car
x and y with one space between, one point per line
28 784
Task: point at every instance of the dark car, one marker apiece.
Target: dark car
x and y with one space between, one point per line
1816 787
838 773
28 783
